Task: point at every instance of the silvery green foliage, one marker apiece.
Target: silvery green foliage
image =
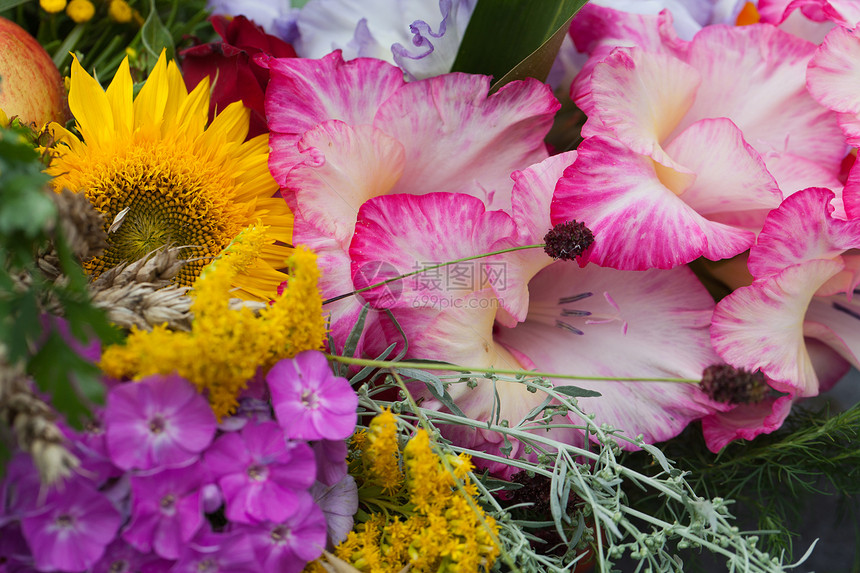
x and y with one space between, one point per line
608 527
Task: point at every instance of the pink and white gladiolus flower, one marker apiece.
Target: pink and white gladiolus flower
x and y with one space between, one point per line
798 322
680 160
345 132
806 270
540 315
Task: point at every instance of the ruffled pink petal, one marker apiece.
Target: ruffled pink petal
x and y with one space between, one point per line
760 327
802 229
303 93
771 106
843 12
640 98
833 75
344 167
531 201
532 196
626 324
638 223
745 422
833 79
598 30
730 175
398 234
459 139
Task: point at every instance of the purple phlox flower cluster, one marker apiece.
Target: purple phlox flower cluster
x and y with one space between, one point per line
163 487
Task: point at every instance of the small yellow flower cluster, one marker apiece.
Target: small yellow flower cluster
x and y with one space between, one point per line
81 11
120 11
225 346
381 455
443 530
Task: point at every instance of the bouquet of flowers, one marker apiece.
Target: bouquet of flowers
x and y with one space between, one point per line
424 285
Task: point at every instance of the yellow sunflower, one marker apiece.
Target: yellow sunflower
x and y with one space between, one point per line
160 176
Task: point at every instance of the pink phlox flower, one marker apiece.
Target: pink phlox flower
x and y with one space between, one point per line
90 446
70 530
287 546
217 553
310 402
158 421
121 557
167 510
260 474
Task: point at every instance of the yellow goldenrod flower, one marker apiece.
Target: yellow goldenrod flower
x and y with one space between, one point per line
225 346
430 485
119 11
183 183
80 11
382 453
52 6
433 525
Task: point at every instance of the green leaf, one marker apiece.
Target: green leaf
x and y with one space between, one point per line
20 326
354 334
26 209
425 377
155 35
446 400
576 392
367 370
506 34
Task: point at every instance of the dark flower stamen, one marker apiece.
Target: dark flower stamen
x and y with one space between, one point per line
731 385
568 240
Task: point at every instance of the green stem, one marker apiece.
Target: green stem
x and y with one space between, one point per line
432 268
492 371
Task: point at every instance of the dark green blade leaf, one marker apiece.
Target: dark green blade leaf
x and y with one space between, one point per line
576 392
503 34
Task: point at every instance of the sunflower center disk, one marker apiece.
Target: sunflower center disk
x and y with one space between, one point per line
167 204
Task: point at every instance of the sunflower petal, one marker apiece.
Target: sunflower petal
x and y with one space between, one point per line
90 106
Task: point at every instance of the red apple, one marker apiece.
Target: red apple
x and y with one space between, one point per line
30 85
